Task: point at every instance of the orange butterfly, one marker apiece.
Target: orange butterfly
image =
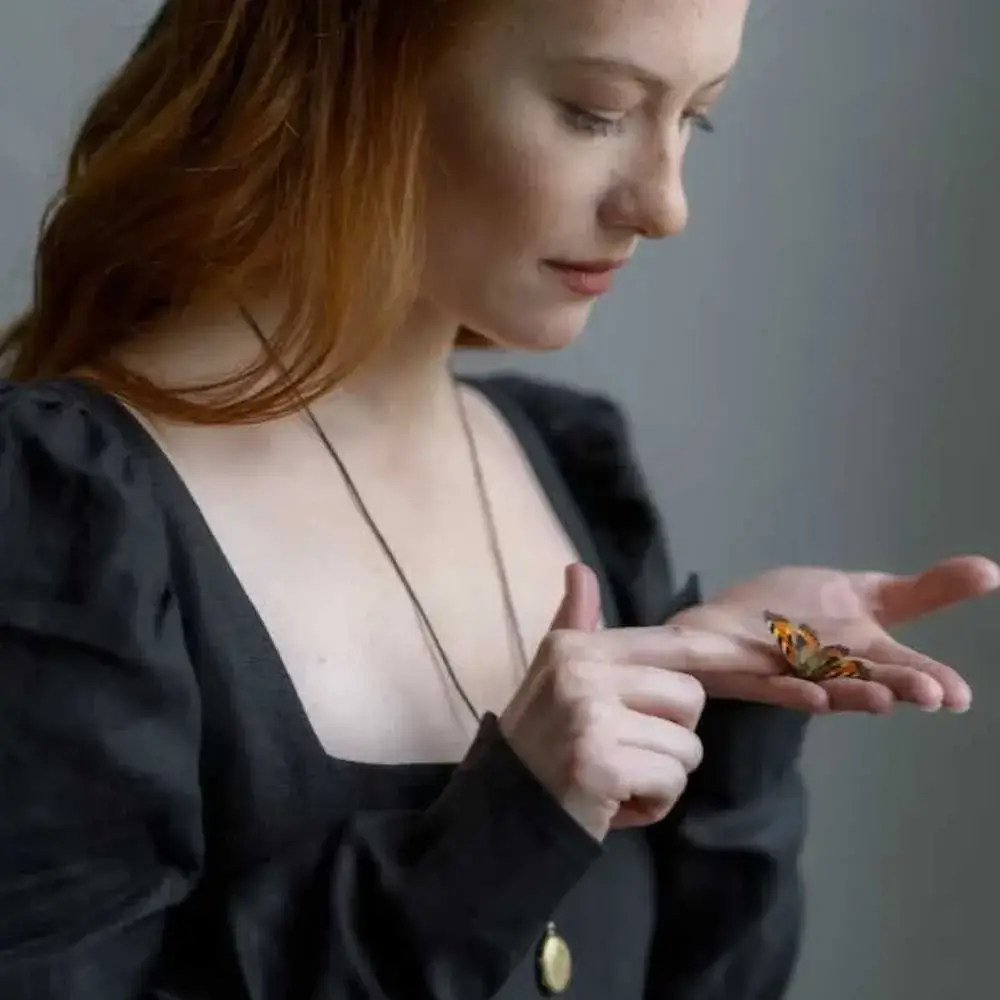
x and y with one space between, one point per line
809 660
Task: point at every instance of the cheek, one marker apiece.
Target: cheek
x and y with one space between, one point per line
493 187
505 192
507 183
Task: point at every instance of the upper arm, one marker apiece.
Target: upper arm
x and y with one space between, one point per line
100 824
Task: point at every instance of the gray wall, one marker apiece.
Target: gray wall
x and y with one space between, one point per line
810 371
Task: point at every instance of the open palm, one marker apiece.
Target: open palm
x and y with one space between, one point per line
856 610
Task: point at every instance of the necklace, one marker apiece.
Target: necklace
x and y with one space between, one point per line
553 958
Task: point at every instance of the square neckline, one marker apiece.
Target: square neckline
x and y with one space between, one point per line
180 506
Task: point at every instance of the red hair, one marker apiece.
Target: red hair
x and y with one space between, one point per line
245 146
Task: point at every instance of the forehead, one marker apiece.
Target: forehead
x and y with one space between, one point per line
609 16
680 23
673 36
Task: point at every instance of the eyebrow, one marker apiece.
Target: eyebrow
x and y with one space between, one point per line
627 68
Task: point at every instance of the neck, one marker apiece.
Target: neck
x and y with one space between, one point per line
404 387
398 392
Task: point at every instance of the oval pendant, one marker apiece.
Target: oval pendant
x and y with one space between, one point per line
554 962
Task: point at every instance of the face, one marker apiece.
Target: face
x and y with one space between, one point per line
557 134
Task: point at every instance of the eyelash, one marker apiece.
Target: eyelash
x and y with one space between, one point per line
701 122
586 121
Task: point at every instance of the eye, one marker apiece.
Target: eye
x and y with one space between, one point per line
700 121
581 120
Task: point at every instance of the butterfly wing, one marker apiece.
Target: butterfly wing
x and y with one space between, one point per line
833 662
796 642
800 646
785 635
841 666
809 638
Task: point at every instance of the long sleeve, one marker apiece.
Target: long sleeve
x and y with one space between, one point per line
729 888
729 882
99 719
729 894
103 879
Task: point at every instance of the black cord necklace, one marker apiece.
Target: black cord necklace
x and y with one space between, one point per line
553 959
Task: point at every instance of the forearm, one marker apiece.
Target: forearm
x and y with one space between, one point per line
728 862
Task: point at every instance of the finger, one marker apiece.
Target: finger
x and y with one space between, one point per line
904 683
649 775
677 697
640 812
682 649
841 695
659 735
849 695
779 691
903 598
920 679
580 609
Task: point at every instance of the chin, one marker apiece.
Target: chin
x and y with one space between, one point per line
538 334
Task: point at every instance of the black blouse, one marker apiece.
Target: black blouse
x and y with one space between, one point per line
171 827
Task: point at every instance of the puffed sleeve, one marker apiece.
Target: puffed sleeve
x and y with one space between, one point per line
100 831
102 842
727 858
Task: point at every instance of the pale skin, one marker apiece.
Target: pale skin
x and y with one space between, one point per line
543 147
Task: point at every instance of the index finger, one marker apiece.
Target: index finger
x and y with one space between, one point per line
682 649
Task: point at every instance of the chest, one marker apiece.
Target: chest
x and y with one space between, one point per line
370 670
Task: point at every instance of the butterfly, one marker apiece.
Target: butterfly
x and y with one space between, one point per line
809 660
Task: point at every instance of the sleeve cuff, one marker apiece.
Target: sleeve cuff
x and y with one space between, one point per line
503 845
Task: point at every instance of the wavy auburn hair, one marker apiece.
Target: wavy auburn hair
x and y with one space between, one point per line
245 146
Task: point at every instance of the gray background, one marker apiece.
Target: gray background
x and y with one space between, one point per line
810 372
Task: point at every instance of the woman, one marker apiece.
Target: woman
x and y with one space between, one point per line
296 698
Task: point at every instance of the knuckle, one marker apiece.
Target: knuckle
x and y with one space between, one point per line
699 696
676 780
589 768
683 648
598 715
587 720
692 691
571 682
694 754
691 659
561 645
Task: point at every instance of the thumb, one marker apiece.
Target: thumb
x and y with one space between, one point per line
581 604
903 598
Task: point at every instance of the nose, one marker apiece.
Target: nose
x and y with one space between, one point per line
651 202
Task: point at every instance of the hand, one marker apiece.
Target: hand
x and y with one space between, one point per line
606 719
854 609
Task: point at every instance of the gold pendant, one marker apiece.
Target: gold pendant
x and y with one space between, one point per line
554 962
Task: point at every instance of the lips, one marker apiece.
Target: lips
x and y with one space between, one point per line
589 265
587 278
